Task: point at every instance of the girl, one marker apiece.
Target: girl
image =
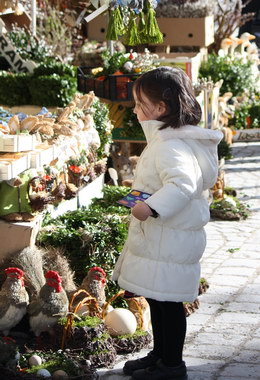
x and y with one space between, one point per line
166 238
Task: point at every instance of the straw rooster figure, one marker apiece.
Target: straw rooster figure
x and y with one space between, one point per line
13 300
94 283
50 305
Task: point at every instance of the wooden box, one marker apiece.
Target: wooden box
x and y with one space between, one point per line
16 236
187 31
97 28
188 62
43 155
12 165
17 143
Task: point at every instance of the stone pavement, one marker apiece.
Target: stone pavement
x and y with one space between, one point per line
223 337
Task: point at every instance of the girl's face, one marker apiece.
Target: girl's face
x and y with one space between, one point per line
146 110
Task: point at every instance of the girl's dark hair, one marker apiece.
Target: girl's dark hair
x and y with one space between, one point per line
172 86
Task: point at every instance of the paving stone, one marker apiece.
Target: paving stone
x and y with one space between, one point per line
243 306
237 318
246 370
247 356
210 351
253 344
220 338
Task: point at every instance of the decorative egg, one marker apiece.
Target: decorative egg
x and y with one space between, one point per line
35 360
120 322
109 308
231 201
60 374
128 66
43 372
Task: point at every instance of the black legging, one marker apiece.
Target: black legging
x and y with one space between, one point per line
169 330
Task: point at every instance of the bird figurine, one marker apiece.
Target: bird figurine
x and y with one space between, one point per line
14 300
235 42
224 47
49 306
246 38
94 283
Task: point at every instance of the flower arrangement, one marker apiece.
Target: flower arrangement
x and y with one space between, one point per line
246 112
28 46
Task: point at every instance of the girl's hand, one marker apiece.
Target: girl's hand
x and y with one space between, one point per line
141 211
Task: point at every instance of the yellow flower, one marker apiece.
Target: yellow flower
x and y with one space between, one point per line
97 70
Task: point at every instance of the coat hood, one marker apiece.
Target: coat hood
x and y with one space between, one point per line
203 142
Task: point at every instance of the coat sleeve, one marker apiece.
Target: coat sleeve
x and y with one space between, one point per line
179 173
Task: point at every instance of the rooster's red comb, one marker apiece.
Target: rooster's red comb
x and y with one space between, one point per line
17 271
54 275
98 269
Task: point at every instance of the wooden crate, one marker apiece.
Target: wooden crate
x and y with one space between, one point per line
187 31
43 155
17 143
11 165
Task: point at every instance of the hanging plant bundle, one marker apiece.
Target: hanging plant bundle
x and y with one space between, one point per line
141 27
151 31
132 37
116 27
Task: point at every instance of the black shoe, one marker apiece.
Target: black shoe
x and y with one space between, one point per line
134 365
161 372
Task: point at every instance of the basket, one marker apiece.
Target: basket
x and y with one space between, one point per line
112 87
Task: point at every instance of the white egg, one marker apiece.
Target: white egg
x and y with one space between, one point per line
35 360
231 201
128 66
109 308
60 374
43 372
120 322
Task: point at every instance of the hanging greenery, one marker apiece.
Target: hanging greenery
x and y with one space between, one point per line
116 27
132 36
151 31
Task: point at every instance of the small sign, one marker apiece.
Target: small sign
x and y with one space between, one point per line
134 197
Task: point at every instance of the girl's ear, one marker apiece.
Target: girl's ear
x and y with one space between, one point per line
161 108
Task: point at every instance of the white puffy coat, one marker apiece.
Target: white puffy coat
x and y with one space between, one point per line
160 259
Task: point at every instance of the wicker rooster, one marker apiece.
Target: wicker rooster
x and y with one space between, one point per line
13 300
50 305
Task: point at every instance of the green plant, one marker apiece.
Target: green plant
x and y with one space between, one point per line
224 150
132 127
237 76
52 90
53 67
103 126
112 63
14 89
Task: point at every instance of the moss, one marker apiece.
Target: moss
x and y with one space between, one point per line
137 334
83 322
